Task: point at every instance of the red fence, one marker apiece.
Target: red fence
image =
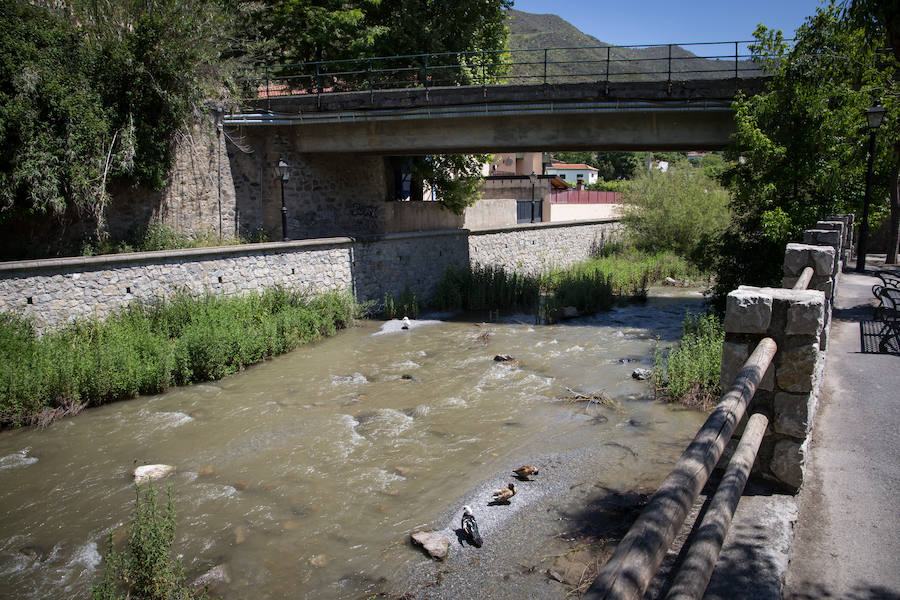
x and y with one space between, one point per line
585 197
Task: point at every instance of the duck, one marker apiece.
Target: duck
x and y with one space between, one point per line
525 472
404 323
470 526
503 495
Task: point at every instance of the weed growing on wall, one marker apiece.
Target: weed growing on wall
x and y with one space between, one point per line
144 349
145 569
404 305
690 372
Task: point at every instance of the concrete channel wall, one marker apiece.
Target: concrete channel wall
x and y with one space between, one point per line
56 291
798 321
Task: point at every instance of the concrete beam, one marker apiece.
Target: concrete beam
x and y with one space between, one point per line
687 115
631 128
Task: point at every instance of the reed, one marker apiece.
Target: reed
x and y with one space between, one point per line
145 348
689 373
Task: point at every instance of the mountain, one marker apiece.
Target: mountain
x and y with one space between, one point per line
574 56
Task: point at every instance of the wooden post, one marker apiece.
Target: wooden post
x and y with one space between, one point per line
639 554
805 277
693 575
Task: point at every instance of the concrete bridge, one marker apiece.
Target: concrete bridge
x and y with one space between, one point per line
652 115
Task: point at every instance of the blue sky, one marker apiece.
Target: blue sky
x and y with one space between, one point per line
675 21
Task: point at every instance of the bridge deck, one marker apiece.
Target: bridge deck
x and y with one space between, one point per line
576 116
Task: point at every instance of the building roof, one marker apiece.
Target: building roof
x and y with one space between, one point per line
573 167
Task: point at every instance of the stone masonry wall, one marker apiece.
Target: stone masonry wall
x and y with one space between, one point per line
56 291
797 320
532 249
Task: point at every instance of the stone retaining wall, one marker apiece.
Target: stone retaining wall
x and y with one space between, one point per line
798 322
56 291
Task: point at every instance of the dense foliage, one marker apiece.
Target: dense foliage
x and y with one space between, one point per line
690 372
681 210
146 348
97 92
799 153
145 569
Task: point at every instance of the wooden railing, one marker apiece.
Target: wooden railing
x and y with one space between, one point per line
637 558
639 554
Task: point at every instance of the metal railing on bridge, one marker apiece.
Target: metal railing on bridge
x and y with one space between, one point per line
611 64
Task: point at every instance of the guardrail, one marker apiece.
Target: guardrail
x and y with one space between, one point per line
654 62
797 317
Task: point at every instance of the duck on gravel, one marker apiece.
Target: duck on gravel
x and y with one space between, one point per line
525 472
503 495
470 526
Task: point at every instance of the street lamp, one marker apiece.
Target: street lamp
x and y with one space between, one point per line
533 177
284 170
874 116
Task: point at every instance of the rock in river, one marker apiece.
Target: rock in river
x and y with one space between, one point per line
642 374
145 473
435 544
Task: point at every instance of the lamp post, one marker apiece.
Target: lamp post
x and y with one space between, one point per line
874 116
284 170
533 177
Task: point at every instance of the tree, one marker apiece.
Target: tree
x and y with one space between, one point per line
880 19
97 91
799 150
679 210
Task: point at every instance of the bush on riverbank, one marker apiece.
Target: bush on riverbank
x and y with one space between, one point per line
690 372
146 569
143 349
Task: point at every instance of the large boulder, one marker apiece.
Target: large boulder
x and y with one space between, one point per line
437 545
146 473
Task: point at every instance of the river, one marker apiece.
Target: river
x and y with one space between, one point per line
304 475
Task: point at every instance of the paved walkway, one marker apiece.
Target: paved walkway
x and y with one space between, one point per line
847 542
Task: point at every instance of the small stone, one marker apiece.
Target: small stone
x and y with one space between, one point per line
291 525
240 535
206 471
241 485
320 560
437 545
145 473
642 374
503 358
218 574
569 312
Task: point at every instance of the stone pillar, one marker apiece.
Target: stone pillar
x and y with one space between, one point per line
787 393
848 221
825 270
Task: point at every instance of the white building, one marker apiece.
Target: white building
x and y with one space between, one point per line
572 173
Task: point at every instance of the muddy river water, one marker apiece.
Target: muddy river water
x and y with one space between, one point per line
304 475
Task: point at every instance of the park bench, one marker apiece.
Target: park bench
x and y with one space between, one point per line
888 313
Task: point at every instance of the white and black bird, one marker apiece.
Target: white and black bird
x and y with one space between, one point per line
404 323
470 526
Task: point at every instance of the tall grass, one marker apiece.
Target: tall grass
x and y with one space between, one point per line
486 288
690 372
404 305
144 349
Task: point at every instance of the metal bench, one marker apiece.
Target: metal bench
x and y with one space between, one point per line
888 313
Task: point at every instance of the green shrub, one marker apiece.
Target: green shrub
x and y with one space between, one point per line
146 570
681 210
690 372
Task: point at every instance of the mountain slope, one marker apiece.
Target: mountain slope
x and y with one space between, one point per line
575 56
